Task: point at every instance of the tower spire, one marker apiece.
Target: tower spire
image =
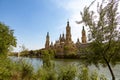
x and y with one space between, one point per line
60 37
83 35
78 40
83 28
68 22
47 44
68 33
47 34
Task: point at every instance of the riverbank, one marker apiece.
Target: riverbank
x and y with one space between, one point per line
37 62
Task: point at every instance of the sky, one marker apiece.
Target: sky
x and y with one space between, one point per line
32 19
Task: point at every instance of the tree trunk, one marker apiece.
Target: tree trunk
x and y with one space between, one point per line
110 69
113 76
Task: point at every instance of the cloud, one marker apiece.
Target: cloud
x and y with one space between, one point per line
73 7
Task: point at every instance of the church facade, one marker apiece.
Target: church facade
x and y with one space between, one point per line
65 45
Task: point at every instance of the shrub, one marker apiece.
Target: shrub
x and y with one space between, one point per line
68 72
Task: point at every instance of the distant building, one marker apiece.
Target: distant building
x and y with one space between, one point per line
47 43
83 36
65 45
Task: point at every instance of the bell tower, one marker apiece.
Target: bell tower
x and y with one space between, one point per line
83 36
68 33
47 44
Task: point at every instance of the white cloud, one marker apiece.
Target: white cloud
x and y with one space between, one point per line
73 7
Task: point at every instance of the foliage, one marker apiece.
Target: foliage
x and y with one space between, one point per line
94 76
15 70
105 40
47 72
47 56
4 69
22 70
7 39
26 70
68 72
69 50
104 32
84 75
24 51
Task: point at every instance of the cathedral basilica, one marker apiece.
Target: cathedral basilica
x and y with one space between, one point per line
65 45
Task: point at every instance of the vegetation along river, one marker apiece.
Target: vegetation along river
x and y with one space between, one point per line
37 62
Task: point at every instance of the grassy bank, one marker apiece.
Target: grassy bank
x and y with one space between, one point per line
22 70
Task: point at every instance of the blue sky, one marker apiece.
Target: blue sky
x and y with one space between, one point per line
32 19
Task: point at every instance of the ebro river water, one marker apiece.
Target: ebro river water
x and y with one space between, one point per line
37 62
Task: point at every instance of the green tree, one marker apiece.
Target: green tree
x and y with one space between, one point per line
105 40
7 39
24 51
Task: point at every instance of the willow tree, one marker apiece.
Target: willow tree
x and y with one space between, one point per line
7 39
104 31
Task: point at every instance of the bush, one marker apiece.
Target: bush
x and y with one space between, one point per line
46 74
26 70
22 70
68 72
84 75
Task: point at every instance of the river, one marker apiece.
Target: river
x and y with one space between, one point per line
37 62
